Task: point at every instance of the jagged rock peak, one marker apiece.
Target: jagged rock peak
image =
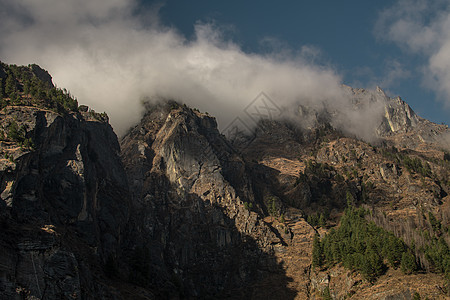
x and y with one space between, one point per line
398 115
188 181
366 94
42 74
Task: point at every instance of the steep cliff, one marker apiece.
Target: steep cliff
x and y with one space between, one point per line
195 208
64 202
399 124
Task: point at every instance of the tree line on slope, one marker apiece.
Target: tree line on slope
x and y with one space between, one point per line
427 236
19 85
362 246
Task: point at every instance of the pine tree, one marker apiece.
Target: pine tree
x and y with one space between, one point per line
322 220
350 199
408 263
15 133
10 84
317 254
326 294
393 250
372 266
1 88
27 87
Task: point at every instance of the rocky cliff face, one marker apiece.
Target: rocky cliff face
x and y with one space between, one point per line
397 116
399 124
195 207
177 211
373 116
64 204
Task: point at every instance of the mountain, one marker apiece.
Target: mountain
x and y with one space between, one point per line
400 125
175 209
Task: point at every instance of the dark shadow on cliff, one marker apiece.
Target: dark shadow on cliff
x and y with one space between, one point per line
188 245
194 249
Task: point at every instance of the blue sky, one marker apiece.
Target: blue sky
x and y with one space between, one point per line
219 55
343 34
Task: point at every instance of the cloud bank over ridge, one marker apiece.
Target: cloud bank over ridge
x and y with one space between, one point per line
110 56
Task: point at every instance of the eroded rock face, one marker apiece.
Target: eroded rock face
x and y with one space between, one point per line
188 215
190 187
399 123
74 175
73 179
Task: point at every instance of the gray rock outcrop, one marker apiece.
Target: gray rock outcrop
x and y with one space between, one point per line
64 205
189 188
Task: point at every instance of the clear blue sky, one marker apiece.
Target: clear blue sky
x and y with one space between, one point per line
344 32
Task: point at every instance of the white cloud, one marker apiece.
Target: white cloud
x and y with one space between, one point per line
394 72
111 58
423 28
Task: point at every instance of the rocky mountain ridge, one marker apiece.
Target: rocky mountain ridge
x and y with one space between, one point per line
172 160
174 210
400 125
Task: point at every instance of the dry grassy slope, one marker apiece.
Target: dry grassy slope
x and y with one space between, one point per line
398 194
392 285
